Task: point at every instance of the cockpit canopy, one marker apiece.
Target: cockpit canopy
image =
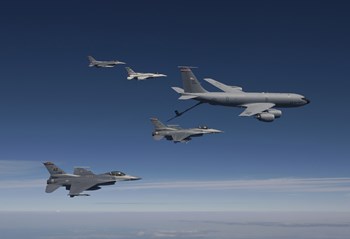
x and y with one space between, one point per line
116 173
203 127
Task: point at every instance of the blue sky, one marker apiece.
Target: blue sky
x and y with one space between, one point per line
55 108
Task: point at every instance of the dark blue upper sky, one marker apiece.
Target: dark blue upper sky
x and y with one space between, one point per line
54 107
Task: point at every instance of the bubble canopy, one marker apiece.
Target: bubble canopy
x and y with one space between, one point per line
116 173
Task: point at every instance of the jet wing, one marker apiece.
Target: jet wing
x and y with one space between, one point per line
51 187
142 77
177 137
187 97
82 172
256 108
223 87
77 188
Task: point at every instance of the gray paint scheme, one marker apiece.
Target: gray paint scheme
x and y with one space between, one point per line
96 63
141 76
81 180
260 105
177 134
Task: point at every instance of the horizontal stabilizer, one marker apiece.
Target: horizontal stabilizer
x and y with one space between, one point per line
51 187
178 90
187 97
158 137
223 87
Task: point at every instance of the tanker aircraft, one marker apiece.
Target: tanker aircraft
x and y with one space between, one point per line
260 105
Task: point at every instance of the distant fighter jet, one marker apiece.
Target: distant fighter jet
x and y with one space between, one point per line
96 63
141 76
259 105
178 134
81 180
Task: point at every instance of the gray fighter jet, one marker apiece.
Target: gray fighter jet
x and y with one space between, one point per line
81 180
178 134
94 62
260 105
141 76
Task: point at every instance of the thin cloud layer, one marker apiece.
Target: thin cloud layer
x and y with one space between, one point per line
276 184
16 167
270 185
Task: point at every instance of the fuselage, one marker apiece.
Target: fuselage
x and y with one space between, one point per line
66 180
144 76
240 99
106 63
192 132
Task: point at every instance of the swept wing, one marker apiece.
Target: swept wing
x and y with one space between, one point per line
180 136
77 188
256 108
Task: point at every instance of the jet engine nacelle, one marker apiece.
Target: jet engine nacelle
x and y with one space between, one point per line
266 117
276 113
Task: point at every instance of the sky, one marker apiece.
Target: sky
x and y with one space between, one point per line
56 108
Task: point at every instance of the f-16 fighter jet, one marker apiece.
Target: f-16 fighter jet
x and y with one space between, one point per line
96 63
141 76
260 105
178 134
81 180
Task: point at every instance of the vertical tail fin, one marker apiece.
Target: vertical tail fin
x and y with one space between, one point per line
53 169
129 70
157 124
190 82
91 59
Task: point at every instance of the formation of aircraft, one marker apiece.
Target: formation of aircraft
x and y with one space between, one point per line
177 134
81 180
141 76
260 105
95 63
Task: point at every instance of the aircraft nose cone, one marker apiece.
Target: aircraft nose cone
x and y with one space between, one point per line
135 178
306 100
216 131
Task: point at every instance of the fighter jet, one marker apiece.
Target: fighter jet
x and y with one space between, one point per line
81 180
177 134
98 64
141 76
260 105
